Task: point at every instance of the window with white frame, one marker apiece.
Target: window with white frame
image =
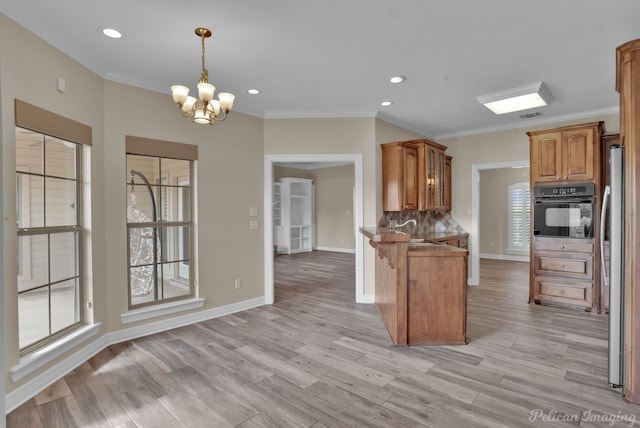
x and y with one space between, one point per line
49 235
519 204
159 222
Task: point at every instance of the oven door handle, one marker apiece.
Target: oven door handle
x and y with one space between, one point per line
603 225
563 201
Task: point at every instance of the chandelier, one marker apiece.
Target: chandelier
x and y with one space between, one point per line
204 109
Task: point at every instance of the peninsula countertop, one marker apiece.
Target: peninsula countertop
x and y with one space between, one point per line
420 243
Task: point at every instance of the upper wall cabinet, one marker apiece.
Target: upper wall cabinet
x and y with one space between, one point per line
416 175
399 177
566 154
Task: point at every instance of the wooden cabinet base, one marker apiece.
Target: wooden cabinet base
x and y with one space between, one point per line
437 300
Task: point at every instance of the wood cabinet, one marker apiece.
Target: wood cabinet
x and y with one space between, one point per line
566 154
446 186
628 86
562 272
414 176
296 229
399 177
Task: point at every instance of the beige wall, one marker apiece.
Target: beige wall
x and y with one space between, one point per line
334 207
333 204
494 207
229 180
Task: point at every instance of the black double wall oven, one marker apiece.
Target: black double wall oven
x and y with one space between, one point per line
564 210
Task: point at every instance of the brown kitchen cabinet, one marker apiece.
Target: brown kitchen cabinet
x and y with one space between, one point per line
446 187
399 177
563 273
570 153
414 176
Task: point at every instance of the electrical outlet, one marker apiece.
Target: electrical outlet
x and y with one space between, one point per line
238 283
253 225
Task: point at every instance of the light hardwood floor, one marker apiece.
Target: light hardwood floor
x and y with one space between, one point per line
317 359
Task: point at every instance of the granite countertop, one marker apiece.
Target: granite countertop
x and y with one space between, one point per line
382 234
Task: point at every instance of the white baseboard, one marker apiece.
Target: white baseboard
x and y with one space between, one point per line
27 391
336 250
368 298
504 257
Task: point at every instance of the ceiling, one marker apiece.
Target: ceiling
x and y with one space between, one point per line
334 58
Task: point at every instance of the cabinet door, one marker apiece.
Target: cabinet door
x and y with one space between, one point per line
410 160
578 154
399 177
546 157
447 184
434 172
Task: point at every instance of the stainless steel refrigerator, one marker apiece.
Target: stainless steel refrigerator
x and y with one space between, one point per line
612 230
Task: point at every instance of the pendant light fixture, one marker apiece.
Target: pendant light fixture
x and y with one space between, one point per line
204 109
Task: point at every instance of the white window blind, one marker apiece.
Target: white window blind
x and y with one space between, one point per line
519 195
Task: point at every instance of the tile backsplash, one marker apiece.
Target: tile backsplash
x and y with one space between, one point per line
428 221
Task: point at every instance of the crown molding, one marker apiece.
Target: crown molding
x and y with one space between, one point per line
533 122
319 114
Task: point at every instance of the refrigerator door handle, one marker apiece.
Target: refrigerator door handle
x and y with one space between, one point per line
603 225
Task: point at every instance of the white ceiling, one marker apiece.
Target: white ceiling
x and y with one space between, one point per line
333 58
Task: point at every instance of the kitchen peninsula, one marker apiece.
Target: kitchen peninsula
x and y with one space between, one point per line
421 290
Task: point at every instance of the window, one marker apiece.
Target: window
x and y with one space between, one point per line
49 233
519 195
159 222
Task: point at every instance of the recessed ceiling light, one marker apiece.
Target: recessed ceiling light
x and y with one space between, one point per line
386 103
111 33
397 79
254 91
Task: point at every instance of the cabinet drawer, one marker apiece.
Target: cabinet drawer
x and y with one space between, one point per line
560 292
551 244
570 265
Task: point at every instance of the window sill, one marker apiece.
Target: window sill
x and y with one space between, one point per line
33 361
155 311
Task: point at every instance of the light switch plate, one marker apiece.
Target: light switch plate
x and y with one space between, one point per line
253 225
253 212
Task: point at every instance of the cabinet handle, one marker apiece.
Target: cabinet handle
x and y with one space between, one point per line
561 291
562 266
562 247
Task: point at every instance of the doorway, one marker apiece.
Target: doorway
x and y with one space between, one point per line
474 278
328 159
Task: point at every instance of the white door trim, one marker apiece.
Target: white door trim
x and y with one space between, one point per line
269 160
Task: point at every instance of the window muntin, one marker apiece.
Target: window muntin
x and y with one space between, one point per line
519 195
48 199
158 217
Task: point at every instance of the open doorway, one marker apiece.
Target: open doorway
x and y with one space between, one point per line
272 161
476 169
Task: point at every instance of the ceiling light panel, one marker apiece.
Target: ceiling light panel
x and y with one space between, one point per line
522 98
